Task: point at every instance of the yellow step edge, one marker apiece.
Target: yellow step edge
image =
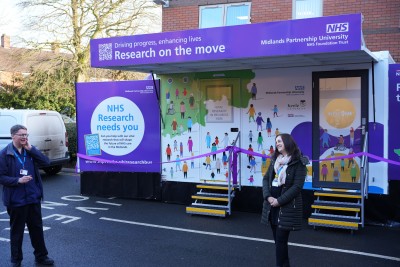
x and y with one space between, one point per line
330 222
213 187
335 208
211 180
336 195
211 198
210 211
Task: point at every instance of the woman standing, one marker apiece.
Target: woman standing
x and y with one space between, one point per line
282 185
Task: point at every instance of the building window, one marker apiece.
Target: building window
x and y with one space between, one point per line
307 9
224 15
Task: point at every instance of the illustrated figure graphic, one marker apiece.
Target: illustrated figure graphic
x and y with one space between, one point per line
332 161
208 162
212 175
336 174
192 162
253 164
218 165
224 160
353 173
171 171
191 101
271 150
225 140
340 145
251 112
177 93
182 109
168 152
216 141
213 149
351 160
275 110
324 172
342 165
168 96
260 141
251 150
180 132
175 145
351 136
250 136
174 125
251 180
181 149
171 108
325 138
177 163
277 132
259 121
184 92
253 91
263 160
185 169
208 140
189 124
190 144
269 127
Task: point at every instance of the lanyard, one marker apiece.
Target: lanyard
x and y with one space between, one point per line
279 170
19 159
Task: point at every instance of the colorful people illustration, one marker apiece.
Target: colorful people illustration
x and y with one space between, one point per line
171 171
340 145
171 108
177 163
184 92
351 136
175 145
177 93
324 172
325 138
185 169
277 132
181 130
263 160
351 159
208 140
181 149
168 96
251 112
251 150
332 161
182 109
336 174
174 125
218 165
259 121
216 141
212 175
208 162
271 150
191 101
226 176
225 140
251 180
192 161
253 164
269 127
224 159
190 144
342 165
168 152
213 149
250 137
189 124
353 173
253 91
275 110
260 142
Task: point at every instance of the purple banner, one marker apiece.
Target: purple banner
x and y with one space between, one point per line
118 122
303 36
394 122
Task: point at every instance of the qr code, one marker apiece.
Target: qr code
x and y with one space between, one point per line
105 51
92 144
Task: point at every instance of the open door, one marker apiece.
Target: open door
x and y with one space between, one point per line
340 116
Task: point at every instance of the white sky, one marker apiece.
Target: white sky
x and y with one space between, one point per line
9 18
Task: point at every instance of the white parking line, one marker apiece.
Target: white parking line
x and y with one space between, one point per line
253 239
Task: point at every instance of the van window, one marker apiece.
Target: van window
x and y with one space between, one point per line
45 125
6 123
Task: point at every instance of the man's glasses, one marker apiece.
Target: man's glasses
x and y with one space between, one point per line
22 135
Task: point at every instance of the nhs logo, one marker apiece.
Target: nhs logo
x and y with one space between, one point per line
337 27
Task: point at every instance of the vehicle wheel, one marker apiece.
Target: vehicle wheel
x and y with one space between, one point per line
53 169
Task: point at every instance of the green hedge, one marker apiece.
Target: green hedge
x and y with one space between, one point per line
72 140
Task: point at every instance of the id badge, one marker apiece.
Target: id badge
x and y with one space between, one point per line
23 172
275 182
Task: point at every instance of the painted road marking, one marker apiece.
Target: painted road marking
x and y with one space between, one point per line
253 239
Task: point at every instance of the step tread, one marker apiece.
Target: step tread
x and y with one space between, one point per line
336 206
333 223
216 187
210 197
349 204
205 211
327 217
337 194
211 207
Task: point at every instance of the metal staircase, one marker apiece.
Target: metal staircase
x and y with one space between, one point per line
340 208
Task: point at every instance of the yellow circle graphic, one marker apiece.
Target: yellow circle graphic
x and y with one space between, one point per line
340 113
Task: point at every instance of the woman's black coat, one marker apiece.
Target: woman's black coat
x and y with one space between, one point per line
290 201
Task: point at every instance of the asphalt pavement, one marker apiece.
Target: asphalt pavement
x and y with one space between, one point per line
95 231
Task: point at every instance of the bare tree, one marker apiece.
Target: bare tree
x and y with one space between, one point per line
68 25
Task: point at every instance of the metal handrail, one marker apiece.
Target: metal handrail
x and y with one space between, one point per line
230 157
364 177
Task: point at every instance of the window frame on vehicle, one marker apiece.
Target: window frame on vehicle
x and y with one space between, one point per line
318 11
223 16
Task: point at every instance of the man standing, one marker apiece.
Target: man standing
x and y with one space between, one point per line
22 194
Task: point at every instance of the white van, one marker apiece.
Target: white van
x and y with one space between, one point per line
46 131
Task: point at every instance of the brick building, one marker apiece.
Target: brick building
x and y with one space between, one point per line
381 26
